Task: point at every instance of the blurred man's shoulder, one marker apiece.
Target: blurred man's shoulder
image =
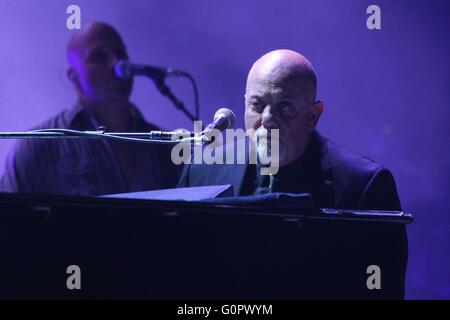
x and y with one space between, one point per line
60 120
64 119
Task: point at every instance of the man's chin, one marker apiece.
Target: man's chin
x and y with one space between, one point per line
118 98
267 157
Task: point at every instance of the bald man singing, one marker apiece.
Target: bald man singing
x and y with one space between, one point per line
281 94
92 167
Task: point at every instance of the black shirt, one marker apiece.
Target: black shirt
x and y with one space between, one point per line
303 175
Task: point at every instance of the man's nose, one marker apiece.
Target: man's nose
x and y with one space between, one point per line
269 120
113 60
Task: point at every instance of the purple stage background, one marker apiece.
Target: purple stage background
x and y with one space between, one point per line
386 92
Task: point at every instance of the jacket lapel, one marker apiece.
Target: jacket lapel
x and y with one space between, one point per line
328 179
234 175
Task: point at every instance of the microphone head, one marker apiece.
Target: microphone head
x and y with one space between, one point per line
226 114
123 69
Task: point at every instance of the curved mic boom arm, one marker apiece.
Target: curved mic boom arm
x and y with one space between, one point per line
166 91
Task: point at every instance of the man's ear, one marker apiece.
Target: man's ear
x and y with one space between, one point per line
316 111
72 76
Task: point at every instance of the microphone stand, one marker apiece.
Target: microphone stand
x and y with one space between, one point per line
166 91
158 137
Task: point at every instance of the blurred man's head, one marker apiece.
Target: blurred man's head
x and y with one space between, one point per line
281 94
92 53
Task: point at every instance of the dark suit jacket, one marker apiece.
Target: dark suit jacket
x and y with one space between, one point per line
343 180
346 180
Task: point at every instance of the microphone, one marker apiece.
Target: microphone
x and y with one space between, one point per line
125 69
223 119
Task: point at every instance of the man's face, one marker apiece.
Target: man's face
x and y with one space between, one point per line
93 65
273 104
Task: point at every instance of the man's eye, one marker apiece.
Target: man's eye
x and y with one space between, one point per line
99 56
257 106
287 109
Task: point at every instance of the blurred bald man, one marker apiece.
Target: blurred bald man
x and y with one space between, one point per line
281 94
92 167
